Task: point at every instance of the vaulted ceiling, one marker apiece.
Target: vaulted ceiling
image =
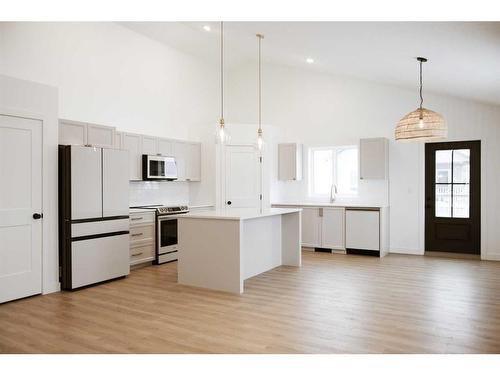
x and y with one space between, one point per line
464 57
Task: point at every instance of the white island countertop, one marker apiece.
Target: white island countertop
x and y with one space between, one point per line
328 204
238 213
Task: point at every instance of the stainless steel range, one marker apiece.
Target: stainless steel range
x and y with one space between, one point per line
167 245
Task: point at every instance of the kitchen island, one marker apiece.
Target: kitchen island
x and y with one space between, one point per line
219 249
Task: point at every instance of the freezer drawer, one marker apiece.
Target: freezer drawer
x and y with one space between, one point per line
99 259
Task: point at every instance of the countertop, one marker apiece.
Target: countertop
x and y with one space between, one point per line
238 213
334 204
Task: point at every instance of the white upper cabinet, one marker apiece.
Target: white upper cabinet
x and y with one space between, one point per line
149 145
373 158
133 144
187 154
80 133
188 158
72 133
165 147
181 154
289 161
118 141
100 135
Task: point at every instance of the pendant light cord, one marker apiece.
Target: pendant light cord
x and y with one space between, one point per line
260 36
421 97
222 70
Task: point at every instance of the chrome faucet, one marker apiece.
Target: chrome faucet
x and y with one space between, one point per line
333 193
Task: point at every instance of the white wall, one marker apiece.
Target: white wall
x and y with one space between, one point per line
111 75
32 100
318 109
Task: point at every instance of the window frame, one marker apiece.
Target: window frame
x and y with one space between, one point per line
335 150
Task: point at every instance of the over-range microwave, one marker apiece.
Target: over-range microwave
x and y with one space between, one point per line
158 167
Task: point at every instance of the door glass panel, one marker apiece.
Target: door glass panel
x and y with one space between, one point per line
443 166
443 200
461 200
461 166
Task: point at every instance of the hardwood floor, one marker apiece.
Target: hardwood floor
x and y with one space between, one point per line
333 304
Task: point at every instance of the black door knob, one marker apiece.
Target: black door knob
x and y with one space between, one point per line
229 203
37 216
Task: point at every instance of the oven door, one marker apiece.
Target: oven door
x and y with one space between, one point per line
167 234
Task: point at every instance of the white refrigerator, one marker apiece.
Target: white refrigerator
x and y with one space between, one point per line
93 215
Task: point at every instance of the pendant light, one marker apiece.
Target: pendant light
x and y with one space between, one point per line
260 140
222 135
421 124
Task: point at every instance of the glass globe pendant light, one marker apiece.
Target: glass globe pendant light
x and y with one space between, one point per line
222 135
421 124
260 139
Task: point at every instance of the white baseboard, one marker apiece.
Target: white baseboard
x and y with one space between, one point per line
406 251
490 257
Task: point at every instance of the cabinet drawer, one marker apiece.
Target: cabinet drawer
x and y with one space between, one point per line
142 254
142 218
143 232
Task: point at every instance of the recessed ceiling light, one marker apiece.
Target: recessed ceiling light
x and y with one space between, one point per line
309 60
207 28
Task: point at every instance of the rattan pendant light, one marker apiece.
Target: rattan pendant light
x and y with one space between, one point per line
421 124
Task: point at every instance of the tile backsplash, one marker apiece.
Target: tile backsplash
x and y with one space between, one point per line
156 192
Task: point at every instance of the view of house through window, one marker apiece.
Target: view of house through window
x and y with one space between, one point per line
331 167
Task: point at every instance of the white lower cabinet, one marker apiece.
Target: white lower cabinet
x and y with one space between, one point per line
311 227
142 238
363 229
332 228
323 227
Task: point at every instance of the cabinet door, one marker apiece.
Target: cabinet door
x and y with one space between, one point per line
332 228
362 229
165 147
115 186
373 158
132 143
118 141
100 135
180 151
194 162
86 182
311 227
287 162
149 145
72 133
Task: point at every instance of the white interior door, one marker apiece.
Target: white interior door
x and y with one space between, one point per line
115 183
243 177
20 199
86 182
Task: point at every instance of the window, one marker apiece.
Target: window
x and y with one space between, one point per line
333 166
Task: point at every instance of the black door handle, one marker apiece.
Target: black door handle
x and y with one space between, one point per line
37 216
229 203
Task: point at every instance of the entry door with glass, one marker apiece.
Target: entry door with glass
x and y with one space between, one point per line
453 197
